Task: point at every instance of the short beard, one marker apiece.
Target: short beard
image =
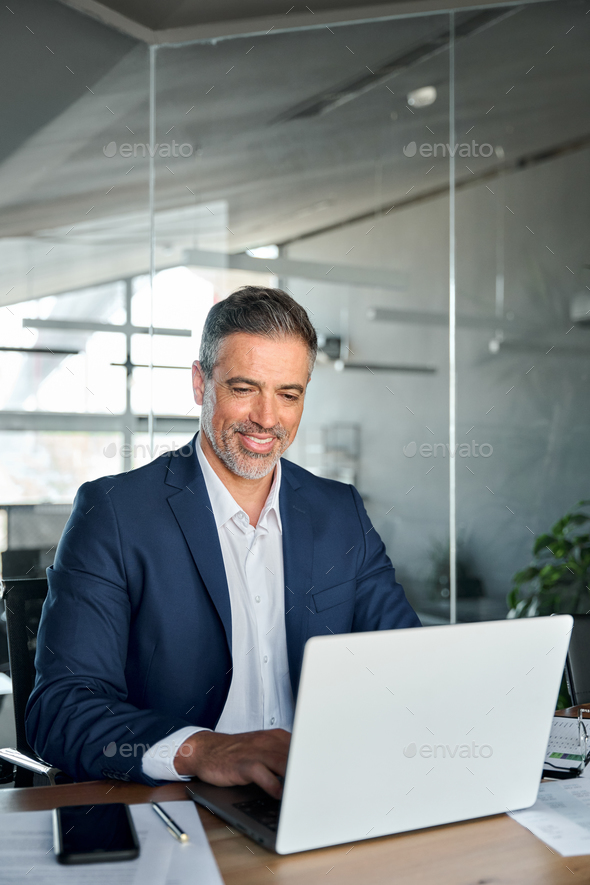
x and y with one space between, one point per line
228 447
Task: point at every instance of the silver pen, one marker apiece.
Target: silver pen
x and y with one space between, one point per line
172 827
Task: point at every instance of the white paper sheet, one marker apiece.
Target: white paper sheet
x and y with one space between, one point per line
27 855
560 816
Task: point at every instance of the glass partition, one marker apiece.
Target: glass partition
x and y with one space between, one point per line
74 232
306 174
523 303
418 183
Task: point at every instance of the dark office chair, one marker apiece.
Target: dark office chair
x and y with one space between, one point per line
24 563
577 667
23 601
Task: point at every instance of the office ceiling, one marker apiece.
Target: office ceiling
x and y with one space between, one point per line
159 16
178 21
73 85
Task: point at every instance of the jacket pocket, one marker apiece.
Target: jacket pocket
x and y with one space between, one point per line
332 596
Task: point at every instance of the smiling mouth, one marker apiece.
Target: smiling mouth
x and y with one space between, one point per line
259 439
258 444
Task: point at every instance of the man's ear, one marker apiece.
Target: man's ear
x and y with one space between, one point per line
198 383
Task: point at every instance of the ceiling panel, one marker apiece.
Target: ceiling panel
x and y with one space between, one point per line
282 180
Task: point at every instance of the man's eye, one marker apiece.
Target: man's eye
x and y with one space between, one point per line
242 389
290 397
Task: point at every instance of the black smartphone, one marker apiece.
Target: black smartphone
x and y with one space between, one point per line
94 833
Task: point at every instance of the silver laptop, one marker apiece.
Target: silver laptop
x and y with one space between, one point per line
403 729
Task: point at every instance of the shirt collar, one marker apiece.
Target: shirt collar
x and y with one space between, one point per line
224 506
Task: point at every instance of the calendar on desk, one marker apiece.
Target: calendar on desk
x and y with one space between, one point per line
563 750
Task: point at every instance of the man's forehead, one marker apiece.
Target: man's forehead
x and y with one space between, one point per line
244 351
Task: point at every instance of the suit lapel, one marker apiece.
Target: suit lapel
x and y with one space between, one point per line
298 562
192 508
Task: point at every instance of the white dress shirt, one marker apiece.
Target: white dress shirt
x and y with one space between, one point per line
260 693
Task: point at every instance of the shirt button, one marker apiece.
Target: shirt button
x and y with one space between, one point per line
273 720
257 598
265 659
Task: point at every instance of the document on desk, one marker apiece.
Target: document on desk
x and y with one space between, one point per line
27 853
561 816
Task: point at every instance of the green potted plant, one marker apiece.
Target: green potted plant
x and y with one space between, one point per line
557 581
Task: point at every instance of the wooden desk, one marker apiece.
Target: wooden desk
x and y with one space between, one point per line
490 850
572 712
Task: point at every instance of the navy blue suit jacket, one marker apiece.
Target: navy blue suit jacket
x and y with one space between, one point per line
135 637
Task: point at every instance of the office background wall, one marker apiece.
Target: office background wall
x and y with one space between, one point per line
306 158
535 435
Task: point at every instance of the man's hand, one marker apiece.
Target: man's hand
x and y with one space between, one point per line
229 760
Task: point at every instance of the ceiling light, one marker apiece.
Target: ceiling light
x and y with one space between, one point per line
421 98
263 252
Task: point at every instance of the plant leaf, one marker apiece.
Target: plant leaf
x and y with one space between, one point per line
543 541
526 575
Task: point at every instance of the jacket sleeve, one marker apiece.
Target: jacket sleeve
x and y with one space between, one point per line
78 717
381 603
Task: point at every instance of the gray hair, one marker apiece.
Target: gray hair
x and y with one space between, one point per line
258 311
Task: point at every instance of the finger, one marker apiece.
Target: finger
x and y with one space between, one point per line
260 774
277 762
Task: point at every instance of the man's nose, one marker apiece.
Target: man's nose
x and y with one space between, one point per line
264 412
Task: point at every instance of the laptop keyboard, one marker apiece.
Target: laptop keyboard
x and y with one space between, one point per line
264 811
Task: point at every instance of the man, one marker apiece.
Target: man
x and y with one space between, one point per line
183 593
